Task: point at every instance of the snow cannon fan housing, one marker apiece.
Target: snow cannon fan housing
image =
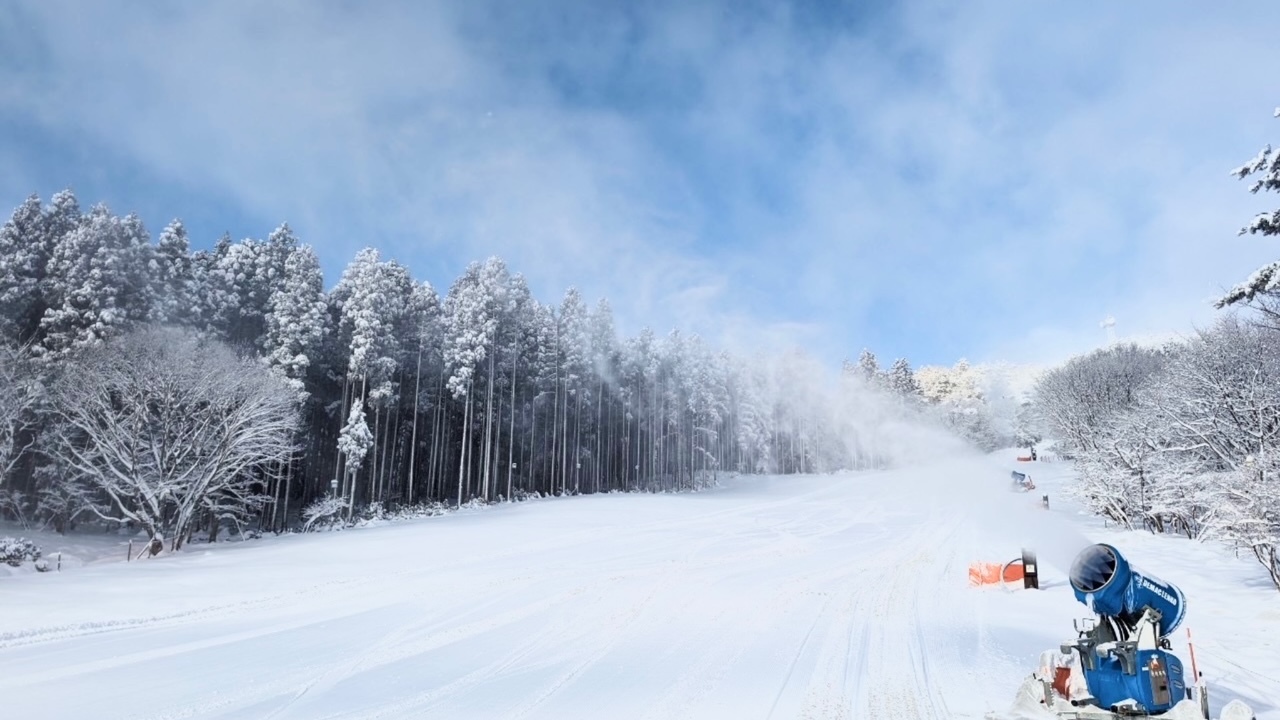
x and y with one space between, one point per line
1106 583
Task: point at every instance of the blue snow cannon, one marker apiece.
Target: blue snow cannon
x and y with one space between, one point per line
1125 657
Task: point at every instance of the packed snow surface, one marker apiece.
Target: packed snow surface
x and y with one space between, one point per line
837 596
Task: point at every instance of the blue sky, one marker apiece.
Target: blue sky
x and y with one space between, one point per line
932 180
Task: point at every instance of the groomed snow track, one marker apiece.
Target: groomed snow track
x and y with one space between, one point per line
837 597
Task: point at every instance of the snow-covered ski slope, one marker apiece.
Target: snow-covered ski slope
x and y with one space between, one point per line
839 596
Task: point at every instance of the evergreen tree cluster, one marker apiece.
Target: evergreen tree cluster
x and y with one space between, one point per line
973 405
387 392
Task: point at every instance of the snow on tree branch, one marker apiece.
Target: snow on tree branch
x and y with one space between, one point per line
164 427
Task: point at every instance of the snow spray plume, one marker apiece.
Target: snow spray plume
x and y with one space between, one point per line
890 429
1016 519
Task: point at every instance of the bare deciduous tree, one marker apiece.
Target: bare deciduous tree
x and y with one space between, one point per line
166 427
19 393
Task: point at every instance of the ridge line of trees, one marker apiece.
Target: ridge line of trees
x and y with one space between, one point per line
125 365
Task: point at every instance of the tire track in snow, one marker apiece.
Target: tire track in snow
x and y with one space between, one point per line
413 639
827 694
314 679
894 676
417 705
84 629
296 680
714 661
714 658
824 689
622 621
795 660
425 702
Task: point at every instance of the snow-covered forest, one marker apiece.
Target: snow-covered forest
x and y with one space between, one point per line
185 391
1185 437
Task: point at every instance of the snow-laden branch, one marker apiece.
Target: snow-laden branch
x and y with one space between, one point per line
165 427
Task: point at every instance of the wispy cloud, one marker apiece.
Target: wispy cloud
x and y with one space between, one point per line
928 180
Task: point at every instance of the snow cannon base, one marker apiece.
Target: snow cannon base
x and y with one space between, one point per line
1153 682
1037 699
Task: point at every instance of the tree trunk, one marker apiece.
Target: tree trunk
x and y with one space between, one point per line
413 435
486 466
511 434
466 425
288 488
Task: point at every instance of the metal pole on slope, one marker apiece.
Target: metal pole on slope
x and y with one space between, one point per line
1191 649
1201 689
1030 571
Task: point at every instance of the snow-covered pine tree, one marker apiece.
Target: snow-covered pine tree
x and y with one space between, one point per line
675 364
238 281
752 419
517 338
296 323
389 368
59 219
95 284
545 401
472 313
1264 168
424 313
637 360
137 291
496 280
902 380
23 255
371 299
296 318
174 278
571 324
868 366
208 292
708 404
603 340
280 246
236 295
354 443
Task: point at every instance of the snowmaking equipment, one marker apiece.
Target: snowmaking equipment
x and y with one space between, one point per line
1021 571
1125 654
1121 664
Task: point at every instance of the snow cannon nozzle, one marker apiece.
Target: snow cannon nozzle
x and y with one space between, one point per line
1104 581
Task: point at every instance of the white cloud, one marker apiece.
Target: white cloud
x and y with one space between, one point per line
987 181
